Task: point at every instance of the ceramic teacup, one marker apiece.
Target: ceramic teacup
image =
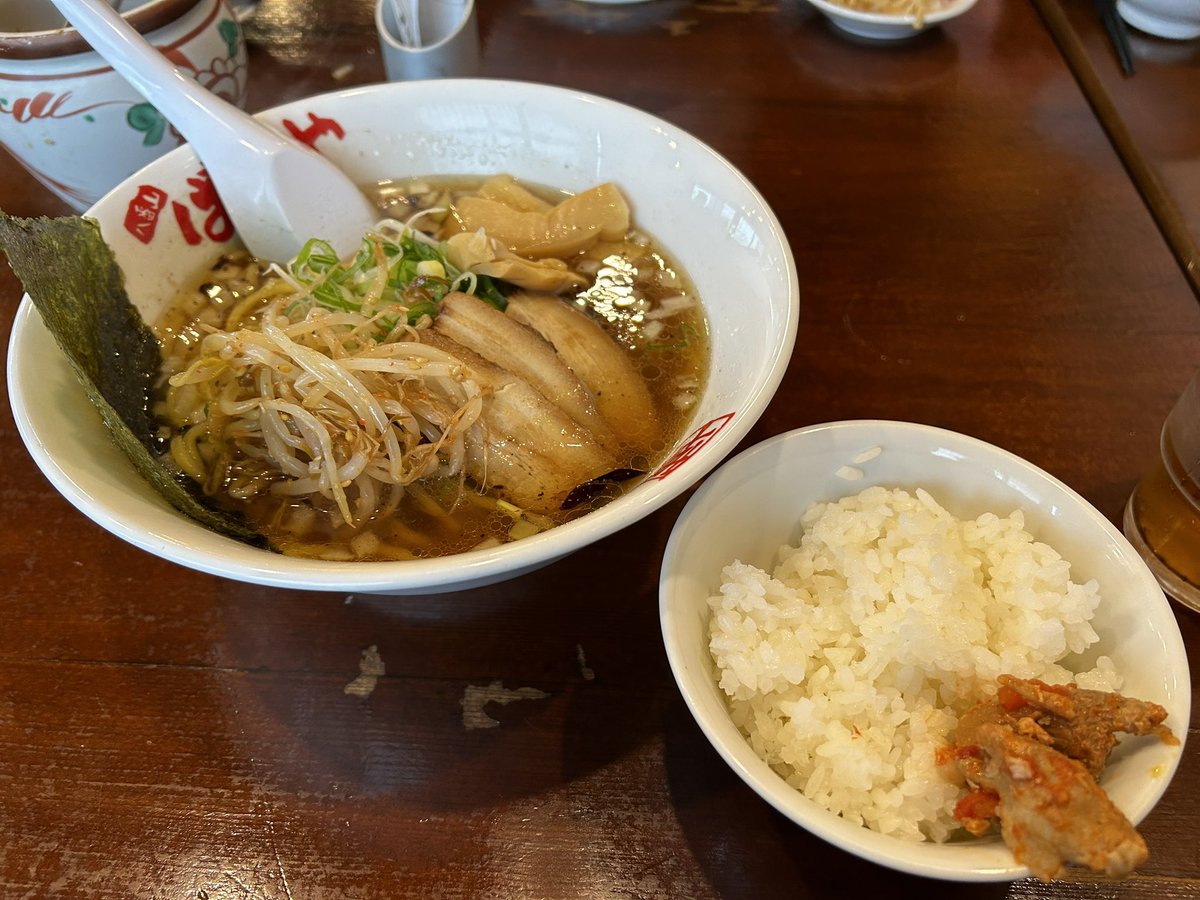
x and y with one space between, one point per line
77 125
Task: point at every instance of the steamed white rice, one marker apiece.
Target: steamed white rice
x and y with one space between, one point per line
847 668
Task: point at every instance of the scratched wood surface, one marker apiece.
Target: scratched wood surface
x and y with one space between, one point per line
972 255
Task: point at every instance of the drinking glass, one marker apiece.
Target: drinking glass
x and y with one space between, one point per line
1162 517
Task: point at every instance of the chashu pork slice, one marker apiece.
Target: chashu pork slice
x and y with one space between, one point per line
603 366
507 343
525 448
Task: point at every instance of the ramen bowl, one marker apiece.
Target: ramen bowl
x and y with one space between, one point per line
889 26
751 506
165 229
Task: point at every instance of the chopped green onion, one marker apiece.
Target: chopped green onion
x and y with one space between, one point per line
419 310
687 334
409 270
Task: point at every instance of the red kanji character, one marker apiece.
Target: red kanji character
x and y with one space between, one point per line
141 216
695 442
204 195
320 126
184 217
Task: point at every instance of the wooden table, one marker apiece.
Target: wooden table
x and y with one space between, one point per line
1149 115
973 254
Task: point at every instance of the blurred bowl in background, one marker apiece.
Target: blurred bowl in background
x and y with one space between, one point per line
1173 19
885 27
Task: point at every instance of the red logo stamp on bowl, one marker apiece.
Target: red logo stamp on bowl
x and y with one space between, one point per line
692 444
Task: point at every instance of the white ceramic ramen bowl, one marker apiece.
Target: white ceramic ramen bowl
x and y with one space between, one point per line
883 27
164 232
750 507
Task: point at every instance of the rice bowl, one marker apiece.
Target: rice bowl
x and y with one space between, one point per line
752 506
847 667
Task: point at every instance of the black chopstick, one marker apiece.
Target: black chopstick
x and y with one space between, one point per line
1115 26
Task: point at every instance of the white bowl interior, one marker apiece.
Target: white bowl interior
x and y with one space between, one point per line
750 507
699 207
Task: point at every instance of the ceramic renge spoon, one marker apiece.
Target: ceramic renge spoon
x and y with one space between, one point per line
278 193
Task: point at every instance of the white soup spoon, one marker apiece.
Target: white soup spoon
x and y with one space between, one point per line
278 193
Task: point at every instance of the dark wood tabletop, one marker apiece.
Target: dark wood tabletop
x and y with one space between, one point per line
1148 112
973 254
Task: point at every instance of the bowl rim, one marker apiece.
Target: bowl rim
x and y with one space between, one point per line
837 10
872 846
471 568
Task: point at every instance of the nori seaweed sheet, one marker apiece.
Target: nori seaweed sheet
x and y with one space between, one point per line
74 281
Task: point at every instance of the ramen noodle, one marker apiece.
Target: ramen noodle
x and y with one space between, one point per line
495 360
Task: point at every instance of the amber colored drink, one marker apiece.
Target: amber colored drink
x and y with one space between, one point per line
1162 520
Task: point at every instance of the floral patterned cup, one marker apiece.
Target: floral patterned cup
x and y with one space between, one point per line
72 121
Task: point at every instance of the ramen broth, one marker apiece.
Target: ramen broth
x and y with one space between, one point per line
630 286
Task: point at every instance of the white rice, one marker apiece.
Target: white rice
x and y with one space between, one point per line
848 667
